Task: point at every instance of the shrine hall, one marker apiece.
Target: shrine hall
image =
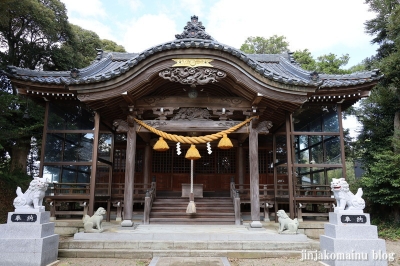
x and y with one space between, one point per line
192 120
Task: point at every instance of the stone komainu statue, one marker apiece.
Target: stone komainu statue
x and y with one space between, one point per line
286 224
33 196
346 200
93 224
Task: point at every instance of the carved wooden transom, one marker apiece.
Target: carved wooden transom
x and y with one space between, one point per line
192 75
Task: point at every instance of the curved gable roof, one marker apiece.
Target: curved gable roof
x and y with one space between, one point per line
280 68
277 67
273 80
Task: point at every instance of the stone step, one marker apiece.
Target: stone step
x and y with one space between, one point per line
149 254
186 244
183 220
192 215
186 201
200 208
208 211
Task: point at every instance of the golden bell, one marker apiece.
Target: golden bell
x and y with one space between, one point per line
225 143
161 145
192 153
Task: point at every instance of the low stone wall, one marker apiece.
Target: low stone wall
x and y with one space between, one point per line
312 229
68 227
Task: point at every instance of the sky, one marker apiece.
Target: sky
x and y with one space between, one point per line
321 26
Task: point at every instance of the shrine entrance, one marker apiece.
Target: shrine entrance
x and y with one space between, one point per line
214 171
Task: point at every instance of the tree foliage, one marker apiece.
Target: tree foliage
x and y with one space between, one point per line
80 50
260 45
379 114
30 29
111 46
36 34
328 64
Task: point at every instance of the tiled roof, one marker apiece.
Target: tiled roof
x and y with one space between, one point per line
278 67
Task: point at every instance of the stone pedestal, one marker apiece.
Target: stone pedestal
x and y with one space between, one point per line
28 239
350 239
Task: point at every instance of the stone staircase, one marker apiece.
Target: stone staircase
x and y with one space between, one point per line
140 249
148 241
208 211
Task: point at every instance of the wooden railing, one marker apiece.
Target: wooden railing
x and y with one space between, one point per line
148 203
314 194
313 191
68 189
268 196
139 195
236 203
66 193
266 192
62 198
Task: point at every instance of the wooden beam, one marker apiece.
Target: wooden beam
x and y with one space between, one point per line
241 137
192 126
128 98
146 136
229 103
257 99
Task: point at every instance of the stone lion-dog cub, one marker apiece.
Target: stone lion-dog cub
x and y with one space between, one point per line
90 223
285 223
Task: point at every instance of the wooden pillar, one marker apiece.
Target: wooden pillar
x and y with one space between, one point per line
289 164
254 178
343 157
129 173
241 165
44 137
146 166
93 171
275 177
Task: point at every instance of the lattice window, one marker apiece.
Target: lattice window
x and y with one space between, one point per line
139 160
226 161
206 164
119 160
264 161
162 161
180 163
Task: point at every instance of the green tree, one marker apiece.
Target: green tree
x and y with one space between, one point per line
305 59
111 46
260 45
80 50
380 113
328 64
29 30
35 34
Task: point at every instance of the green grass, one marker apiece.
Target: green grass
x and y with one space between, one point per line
389 230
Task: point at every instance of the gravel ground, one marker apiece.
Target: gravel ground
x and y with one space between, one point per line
391 246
